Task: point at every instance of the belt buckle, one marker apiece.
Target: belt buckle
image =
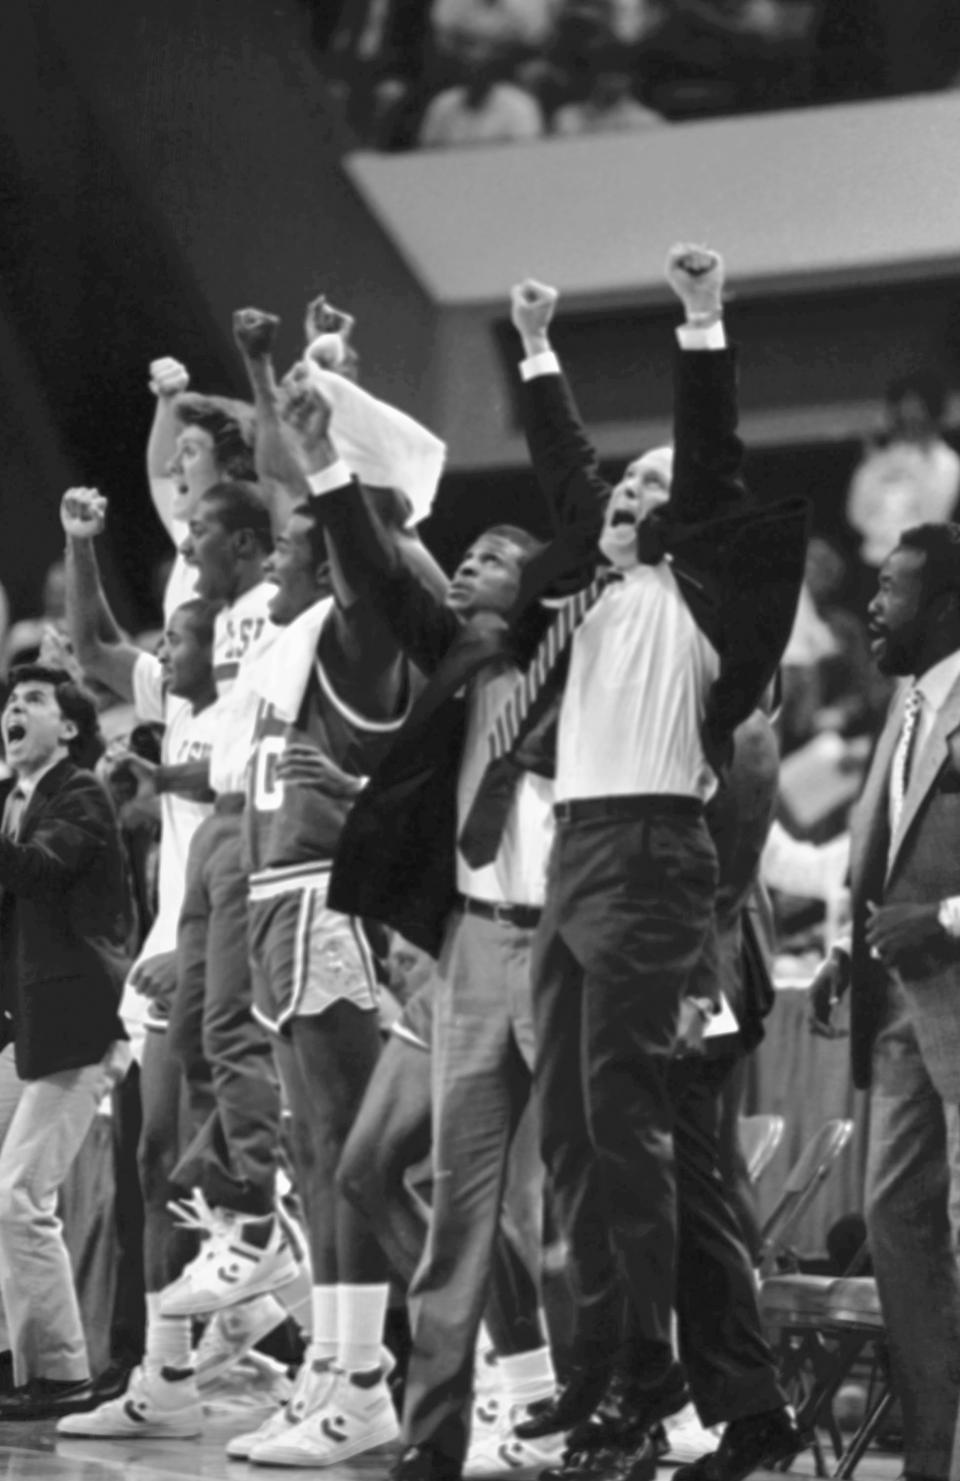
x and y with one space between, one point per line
502 914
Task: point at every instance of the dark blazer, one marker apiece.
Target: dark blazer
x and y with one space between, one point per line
738 563
64 916
920 865
396 858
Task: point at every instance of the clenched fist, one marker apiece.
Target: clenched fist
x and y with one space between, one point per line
532 306
255 332
83 513
168 378
696 276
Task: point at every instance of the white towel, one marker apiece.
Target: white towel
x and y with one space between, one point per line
381 445
282 677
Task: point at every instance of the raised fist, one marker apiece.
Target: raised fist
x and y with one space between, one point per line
83 513
532 306
168 378
304 408
696 276
255 332
322 318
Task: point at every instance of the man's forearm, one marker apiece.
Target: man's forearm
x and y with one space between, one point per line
190 779
161 447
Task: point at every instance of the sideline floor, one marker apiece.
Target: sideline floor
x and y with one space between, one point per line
33 1452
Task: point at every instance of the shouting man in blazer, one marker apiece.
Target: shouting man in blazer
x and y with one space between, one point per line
63 926
663 665
903 970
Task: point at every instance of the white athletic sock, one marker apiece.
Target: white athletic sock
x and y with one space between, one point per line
168 1338
361 1313
528 1376
323 1339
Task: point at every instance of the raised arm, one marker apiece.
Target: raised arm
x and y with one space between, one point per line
562 454
381 575
282 480
99 647
168 380
708 453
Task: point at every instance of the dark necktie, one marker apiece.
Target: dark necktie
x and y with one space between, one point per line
483 829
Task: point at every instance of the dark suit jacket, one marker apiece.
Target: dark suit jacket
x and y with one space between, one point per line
64 915
396 858
739 564
920 865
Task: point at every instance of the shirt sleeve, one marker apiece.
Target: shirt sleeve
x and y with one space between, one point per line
695 337
333 477
148 696
546 363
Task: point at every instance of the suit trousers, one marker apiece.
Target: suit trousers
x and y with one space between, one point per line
43 1124
481 1080
912 1173
628 1138
213 1031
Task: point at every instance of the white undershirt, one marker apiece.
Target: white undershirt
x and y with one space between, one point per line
518 874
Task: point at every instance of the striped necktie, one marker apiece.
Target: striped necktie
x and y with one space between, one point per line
900 767
483 830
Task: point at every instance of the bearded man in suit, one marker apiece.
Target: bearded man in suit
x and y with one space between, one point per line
903 970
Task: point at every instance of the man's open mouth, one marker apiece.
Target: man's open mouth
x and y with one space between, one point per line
16 731
623 517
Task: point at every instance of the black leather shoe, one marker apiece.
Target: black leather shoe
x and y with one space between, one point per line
46 1398
424 1463
629 1408
749 1443
114 1380
575 1400
633 1460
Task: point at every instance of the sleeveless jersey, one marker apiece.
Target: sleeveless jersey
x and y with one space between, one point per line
292 829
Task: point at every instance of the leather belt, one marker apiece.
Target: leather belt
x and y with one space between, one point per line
523 917
636 805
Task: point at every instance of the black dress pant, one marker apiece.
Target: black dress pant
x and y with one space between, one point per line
630 1135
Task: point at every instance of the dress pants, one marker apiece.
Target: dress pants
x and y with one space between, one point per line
481 1078
212 1030
628 1140
912 1169
43 1124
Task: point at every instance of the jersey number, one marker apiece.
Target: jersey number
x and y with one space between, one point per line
267 786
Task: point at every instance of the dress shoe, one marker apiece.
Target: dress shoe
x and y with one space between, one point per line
424 1463
575 1400
114 1380
749 1443
630 1408
623 1460
47 1398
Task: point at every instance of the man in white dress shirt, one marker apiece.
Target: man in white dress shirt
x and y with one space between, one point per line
653 692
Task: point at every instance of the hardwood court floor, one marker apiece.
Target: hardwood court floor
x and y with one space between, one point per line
33 1452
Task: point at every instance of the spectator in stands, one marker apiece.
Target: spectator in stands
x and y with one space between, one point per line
24 637
609 106
63 931
909 475
485 106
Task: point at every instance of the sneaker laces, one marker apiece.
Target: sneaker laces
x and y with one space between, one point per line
195 1213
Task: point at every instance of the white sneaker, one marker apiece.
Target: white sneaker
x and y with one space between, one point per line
229 1270
358 1416
494 1448
315 1383
687 1437
230 1334
155 1406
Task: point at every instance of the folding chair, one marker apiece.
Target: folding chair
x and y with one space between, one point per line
820 1326
760 1136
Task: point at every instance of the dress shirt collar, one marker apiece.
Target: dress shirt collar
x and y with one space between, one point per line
27 785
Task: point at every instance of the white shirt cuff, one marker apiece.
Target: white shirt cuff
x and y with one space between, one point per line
693 337
950 915
546 363
330 478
